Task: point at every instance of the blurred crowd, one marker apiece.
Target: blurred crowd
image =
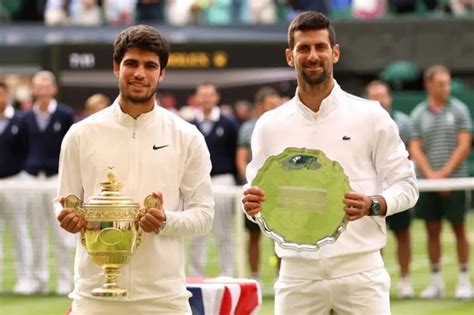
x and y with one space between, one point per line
212 12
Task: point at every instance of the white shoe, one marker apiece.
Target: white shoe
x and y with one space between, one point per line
24 287
405 289
434 291
63 288
40 288
463 288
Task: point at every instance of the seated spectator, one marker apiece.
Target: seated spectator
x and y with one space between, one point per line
262 11
297 6
119 12
219 12
55 13
151 11
368 9
181 12
461 7
87 13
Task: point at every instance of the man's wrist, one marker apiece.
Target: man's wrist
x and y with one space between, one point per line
375 208
161 227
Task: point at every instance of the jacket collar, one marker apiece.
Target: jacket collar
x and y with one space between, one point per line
127 120
9 112
53 104
213 117
327 105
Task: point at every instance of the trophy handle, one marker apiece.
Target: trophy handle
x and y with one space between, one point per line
72 201
149 202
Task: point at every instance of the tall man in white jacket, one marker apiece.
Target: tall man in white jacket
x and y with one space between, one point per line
347 277
152 150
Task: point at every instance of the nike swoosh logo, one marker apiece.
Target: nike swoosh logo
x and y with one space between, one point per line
346 138
159 147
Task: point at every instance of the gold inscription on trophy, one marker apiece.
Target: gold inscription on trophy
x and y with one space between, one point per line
302 199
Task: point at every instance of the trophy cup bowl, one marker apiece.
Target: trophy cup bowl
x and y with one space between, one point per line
112 232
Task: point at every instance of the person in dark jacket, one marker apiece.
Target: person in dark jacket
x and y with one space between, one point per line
45 126
12 209
220 133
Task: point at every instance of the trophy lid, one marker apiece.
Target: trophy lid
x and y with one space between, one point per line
110 194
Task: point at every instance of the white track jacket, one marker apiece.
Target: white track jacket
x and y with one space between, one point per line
361 136
158 152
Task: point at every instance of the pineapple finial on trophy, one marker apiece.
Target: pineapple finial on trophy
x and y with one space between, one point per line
111 184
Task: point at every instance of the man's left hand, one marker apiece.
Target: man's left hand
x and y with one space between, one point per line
356 204
154 218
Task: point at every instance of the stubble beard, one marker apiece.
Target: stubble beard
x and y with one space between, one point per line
138 100
314 80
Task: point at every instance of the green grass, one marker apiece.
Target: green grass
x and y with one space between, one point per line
49 305
37 305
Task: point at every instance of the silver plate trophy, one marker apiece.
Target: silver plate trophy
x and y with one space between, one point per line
304 191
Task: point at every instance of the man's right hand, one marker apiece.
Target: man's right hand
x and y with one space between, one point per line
252 200
69 220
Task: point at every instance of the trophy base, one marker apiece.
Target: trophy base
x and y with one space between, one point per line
109 292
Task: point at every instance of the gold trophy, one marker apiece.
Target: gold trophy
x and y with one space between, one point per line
112 232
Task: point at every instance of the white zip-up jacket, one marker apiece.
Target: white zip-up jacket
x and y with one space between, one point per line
372 155
157 152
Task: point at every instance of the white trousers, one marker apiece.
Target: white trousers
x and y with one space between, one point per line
42 220
13 216
222 227
171 305
364 293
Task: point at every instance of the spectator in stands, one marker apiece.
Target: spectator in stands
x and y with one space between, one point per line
368 9
151 11
263 11
86 13
168 101
45 126
218 12
399 223
152 150
238 10
442 142
242 112
182 12
297 6
220 133
119 12
56 13
461 7
266 99
95 103
348 276
12 207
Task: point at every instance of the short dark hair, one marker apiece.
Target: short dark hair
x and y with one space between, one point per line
143 37
307 21
263 93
